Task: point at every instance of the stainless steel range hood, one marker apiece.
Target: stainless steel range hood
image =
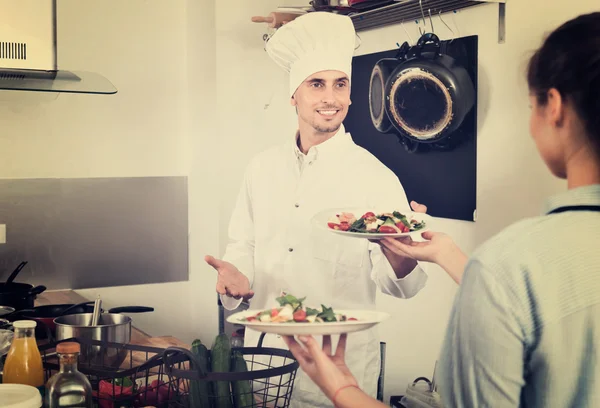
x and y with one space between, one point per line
28 52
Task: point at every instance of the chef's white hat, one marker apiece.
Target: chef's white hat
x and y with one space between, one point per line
313 42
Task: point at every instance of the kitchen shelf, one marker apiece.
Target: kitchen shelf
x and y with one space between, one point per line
410 10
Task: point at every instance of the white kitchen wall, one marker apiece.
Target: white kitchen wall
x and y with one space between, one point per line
160 56
512 180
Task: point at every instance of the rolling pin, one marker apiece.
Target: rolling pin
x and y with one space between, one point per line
276 19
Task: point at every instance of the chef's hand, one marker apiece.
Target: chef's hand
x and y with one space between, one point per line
439 249
230 280
328 371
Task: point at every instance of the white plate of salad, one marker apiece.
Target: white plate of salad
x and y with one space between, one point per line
372 224
293 318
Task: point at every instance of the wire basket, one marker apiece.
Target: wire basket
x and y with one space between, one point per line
268 381
138 380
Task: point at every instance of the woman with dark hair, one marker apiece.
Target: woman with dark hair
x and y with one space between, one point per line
525 326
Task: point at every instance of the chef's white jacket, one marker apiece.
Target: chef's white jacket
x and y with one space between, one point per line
274 243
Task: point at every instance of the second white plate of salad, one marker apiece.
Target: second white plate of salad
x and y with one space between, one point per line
372 224
293 318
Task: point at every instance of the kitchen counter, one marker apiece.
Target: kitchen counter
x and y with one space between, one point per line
138 336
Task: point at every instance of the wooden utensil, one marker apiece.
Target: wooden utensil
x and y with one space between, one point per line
276 19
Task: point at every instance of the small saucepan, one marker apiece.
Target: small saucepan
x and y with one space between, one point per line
112 327
18 295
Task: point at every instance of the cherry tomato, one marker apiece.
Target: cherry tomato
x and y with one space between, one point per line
299 316
274 312
368 215
384 229
333 225
402 227
344 226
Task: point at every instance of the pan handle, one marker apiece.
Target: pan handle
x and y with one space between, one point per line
131 309
426 39
402 51
74 306
20 313
16 272
37 290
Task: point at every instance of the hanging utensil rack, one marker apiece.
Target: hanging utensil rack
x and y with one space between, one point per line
407 10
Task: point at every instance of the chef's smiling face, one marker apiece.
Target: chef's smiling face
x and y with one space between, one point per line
322 101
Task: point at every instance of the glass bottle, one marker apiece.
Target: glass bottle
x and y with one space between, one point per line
68 387
23 363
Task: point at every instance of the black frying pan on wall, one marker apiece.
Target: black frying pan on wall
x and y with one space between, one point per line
425 95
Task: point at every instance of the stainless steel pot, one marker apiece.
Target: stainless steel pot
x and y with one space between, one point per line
112 327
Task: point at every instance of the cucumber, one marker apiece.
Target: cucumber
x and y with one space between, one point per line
242 390
221 363
200 391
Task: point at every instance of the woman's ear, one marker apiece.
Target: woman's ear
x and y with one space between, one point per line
556 107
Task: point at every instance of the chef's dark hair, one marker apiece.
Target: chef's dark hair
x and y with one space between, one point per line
569 61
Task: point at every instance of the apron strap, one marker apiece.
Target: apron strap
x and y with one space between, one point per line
595 208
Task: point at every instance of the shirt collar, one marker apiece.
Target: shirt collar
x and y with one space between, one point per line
331 145
587 195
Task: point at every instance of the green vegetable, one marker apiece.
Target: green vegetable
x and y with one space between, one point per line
327 314
358 225
290 300
242 390
311 312
390 222
402 218
200 391
125 382
220 363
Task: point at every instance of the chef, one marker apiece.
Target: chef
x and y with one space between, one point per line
273 245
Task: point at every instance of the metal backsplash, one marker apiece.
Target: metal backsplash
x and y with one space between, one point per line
95 232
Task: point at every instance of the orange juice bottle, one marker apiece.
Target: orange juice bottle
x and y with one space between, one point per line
24 363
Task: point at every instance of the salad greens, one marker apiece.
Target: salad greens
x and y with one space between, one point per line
370 223
293 310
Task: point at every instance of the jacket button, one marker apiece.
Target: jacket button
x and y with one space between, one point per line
296 205
291 249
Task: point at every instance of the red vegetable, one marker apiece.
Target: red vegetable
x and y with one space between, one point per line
333 225
300 316
155 394
384 229
368 215
402 227
344 226
106 393
274 312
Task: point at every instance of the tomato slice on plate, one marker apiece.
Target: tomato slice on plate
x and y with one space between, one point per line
368 215
402 227
384 229
344 226
333 225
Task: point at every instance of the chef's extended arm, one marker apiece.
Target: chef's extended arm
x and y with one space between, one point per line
394 275
387 280
240 248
